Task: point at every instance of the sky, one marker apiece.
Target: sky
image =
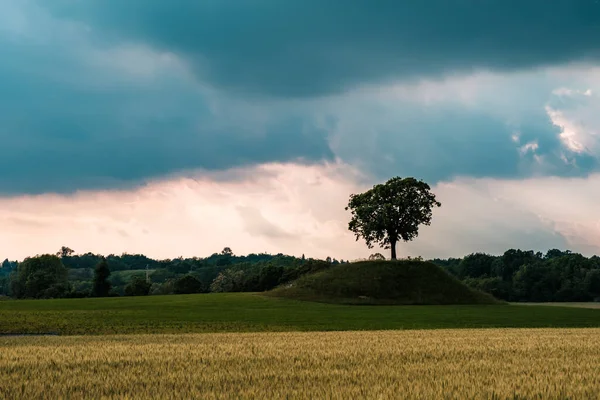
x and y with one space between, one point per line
178 128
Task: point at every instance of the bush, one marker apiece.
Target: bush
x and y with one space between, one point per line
269 277
55 291
495 286
138 287
117 280
81 286
4 285
158 289
592 282
82 274
162 275
228 281
187 284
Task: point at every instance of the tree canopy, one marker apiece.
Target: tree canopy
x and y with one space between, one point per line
40 277
391 212
101 285
187 284
138 287
65 252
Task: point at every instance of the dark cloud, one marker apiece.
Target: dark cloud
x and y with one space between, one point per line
66 126
96 106
315 47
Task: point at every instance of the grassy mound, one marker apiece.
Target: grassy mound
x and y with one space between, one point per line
383 282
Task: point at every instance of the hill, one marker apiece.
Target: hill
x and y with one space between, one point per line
383 282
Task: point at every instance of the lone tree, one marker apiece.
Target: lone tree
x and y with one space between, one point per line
102 285
391 212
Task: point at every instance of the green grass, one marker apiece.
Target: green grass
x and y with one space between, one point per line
572 304
239 312
383 282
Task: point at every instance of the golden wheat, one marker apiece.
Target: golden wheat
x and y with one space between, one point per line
440 364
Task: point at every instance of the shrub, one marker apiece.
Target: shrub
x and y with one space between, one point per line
228 281
162 288
138 287
494 286
187 284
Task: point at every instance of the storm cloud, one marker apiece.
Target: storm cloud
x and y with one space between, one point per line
110 94
314 47
76 115
168 127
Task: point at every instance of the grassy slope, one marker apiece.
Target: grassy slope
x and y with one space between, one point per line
384 282
235 312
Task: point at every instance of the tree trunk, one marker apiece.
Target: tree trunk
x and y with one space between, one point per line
393 246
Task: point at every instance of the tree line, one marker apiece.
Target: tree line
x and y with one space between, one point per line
516 275
528 276
66 275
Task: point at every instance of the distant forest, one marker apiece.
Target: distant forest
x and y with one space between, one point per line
521 276
528 276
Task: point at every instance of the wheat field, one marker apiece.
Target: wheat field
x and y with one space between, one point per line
440 364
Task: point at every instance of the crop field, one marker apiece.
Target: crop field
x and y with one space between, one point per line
241 345
244 312
483 363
